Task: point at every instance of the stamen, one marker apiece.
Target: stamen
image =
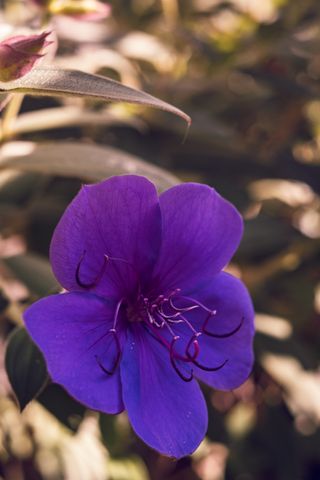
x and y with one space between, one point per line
209 369
199 304
166 324
182 309
174 364
158 323
162 312
114 334
98 277
221 335
116 361
166 316
116 313
106 259
193 358
175 321
193 342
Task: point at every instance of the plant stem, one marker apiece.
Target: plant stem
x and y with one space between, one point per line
10 115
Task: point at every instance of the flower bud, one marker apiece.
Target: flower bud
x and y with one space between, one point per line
18 54
81 9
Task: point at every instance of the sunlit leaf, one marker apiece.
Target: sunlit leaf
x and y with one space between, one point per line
90 162
58 82
25 367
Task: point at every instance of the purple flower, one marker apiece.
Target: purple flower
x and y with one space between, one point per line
19 54
148 308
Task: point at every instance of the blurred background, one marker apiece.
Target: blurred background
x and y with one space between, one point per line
247 72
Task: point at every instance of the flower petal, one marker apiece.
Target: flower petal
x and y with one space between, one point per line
229 297
118 218
168 414
201 232
71 329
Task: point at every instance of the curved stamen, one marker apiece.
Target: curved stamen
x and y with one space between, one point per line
174 319
165 315
157 320
221 335
98 277
209 369
112 332
178 356
162 312
181 309
156 335
193 342
116 314
193 358
163 324
199 304
175 366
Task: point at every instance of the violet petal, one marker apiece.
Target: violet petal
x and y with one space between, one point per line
118 218
168 414
70 329
200 233
234 311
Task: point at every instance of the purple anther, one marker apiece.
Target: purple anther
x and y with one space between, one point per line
116 360
221 335
175 366
209 369
193 343
98 277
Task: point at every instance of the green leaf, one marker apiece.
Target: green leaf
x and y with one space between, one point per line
58 82
25 367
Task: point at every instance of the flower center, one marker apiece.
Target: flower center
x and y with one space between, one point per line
163 318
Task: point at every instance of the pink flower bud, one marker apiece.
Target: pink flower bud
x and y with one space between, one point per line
18 54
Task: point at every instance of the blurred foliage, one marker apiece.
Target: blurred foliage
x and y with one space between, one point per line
25 367
247 72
